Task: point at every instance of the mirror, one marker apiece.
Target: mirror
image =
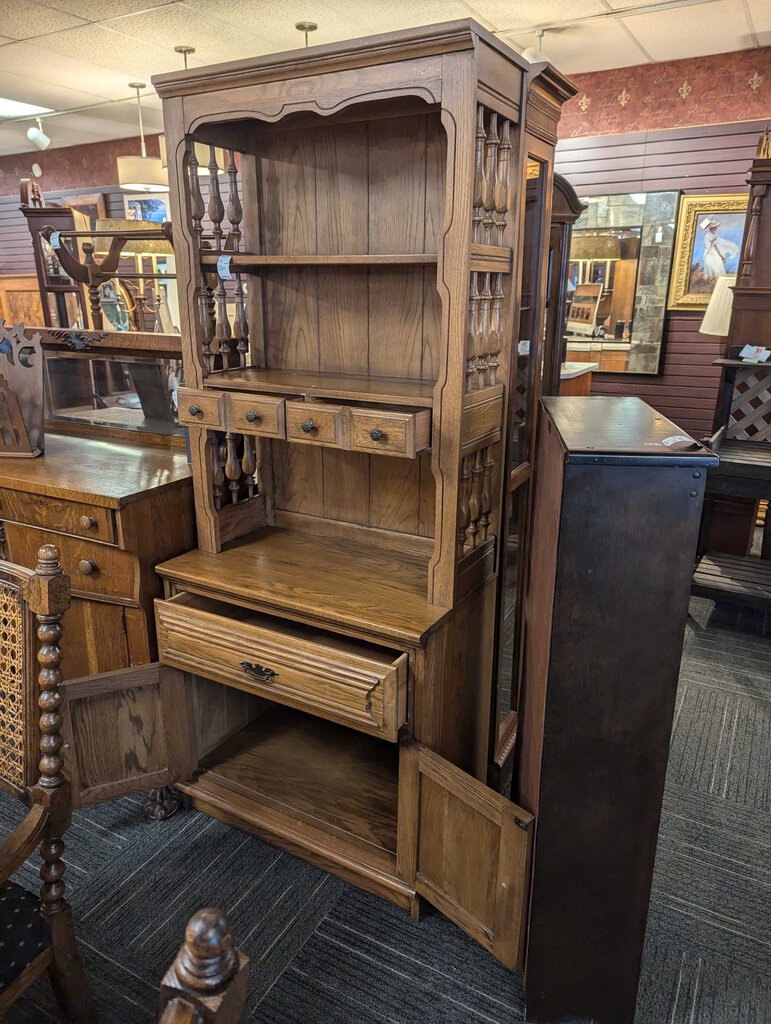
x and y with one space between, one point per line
618 276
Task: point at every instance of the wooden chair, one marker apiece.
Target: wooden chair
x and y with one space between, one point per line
206 984
36 934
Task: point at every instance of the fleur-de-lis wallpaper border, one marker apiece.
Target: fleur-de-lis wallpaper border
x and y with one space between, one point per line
717 89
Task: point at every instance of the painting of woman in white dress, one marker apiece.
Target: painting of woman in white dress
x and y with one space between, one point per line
716 250
708 244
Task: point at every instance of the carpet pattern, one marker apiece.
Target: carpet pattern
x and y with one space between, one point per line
323 952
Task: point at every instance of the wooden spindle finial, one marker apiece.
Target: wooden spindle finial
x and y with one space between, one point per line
48 563
479 175
206 960
503 182
491 166
216 207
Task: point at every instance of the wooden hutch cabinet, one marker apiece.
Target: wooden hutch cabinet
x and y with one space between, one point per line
362 287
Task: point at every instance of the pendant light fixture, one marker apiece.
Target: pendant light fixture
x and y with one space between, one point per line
141 173
202 152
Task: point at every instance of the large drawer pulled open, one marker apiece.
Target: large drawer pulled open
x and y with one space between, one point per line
346 681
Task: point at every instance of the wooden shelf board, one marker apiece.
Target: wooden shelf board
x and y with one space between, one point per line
331 777
309 384
734 578
357 588
249 260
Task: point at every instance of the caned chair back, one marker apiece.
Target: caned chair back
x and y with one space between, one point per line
19 713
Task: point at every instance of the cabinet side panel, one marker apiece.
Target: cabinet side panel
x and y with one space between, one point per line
626 552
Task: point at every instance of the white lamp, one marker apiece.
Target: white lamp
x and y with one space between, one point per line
38 137
717 318
141 173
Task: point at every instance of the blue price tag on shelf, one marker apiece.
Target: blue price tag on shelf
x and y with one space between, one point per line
223 268
55 240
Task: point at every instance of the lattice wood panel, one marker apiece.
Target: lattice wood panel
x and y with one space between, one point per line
13 724
750 418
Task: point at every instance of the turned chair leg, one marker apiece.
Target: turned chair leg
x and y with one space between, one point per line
68 978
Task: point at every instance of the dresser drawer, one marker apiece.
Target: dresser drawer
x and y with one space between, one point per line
399 432
56 514
346 681
317 423
200 408
95 570
256 414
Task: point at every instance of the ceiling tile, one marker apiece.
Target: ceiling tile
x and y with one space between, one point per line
681 32
396 14
38 64
102 47
586 47
503 14
24 20
45 94
99 10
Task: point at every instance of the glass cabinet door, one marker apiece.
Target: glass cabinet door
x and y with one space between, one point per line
524 388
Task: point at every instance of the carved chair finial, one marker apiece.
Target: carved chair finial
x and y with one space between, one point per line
206 960
48 561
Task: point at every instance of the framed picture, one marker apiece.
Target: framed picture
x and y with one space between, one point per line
708 244
144 207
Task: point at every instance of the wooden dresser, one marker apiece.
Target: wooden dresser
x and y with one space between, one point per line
114 511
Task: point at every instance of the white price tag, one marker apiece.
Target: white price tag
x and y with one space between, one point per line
223 268
523 348
55 240
676 439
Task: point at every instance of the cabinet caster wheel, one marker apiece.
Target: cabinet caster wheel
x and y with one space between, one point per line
162 803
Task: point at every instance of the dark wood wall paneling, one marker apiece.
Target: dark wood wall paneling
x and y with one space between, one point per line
712 158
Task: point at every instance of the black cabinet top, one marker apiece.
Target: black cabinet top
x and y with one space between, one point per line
626 430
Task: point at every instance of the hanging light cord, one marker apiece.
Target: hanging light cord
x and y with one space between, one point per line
139 86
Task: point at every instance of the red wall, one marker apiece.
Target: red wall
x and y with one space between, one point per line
720 89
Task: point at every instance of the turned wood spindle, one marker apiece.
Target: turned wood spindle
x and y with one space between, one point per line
463 508
216 207
235 215
94 299
197 208
502 182
496 343
233 466
475 499
485 501
49 656
197 211
218 472
249 463
473 314
491 167
485 306
751 237
479 175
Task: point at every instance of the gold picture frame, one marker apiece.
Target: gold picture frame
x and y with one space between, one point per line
708 243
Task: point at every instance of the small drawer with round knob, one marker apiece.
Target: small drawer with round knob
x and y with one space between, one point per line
262 415
73 517
200 408
390 430
317 423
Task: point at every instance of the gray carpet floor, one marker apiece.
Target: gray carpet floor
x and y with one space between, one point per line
323 952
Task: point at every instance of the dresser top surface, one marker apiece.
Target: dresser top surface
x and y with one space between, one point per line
597 427
95 472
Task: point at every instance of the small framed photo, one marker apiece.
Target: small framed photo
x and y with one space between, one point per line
708 244
144 207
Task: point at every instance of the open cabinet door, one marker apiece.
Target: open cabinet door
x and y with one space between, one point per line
466 849
127 731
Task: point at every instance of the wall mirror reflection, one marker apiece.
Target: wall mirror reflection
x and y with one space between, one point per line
618 275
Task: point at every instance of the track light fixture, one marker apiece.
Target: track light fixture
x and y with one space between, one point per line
38 137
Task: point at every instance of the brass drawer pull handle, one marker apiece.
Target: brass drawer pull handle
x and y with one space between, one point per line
87 567
258 671
87 522
252 416
194 410
308 426
377 434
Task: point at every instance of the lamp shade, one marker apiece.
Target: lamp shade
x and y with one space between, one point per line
142 174
717 319
133 246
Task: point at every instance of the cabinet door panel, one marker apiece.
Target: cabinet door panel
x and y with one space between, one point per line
127 731
466 849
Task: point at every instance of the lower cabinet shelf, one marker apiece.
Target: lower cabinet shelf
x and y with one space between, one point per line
330 794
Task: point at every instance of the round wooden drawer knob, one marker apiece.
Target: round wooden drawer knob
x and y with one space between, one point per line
86 567
87 522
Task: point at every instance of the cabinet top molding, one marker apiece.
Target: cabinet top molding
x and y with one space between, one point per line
425 41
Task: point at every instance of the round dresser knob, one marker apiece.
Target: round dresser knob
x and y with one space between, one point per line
194 410
87 567
252 416
377 434
87 522
308 426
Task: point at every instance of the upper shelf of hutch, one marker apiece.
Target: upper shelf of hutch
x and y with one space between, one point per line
310 384
249 259
371 590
